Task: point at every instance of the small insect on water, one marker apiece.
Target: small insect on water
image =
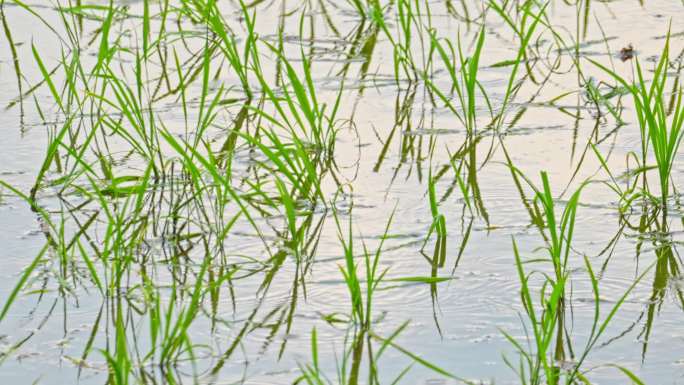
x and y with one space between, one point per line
626 53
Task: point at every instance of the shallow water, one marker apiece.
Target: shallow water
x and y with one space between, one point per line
391 134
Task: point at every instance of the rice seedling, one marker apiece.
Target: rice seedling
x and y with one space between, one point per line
552 358
549 333
524 28
660 119
464 81
362 318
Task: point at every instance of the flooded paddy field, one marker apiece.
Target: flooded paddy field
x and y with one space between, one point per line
341 192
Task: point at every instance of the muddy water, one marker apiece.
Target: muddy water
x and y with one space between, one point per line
456 324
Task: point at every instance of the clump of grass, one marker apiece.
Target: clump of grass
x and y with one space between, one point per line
552 358
464 78
548 329
361 287
524 28
660 118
